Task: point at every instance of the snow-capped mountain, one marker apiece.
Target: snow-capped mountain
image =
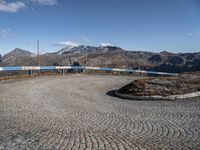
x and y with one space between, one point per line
77 49
86 49
66 49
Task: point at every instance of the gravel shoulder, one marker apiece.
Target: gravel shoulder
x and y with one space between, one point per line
74 112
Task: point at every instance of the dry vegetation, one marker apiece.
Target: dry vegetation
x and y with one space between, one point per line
23 76
163 86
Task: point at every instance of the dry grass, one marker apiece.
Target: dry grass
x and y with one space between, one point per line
163 86
19 77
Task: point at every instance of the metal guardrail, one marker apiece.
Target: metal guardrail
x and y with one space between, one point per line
31 68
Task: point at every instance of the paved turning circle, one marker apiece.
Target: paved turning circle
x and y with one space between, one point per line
74 112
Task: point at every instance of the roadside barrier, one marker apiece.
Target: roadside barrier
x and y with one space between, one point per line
63 68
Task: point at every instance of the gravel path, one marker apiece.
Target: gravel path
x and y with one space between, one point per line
74 112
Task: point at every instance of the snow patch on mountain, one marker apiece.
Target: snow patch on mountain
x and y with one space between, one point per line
107 44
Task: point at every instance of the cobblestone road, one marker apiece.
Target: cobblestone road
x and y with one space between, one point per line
74 112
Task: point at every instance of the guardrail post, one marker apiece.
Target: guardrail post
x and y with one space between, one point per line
63 71
30 72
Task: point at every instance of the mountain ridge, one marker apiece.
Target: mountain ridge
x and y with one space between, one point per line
108 56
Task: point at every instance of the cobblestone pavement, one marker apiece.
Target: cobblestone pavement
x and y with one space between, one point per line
74 112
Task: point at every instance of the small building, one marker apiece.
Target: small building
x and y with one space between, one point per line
76 70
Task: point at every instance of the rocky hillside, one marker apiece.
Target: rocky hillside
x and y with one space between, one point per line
182 62
108 56
16 57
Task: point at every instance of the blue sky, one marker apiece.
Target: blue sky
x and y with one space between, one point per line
152 25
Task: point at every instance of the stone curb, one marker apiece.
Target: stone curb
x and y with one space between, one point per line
171 97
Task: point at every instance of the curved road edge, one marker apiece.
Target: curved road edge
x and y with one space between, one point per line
171 97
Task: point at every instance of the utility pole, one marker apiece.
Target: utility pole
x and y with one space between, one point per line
86 59
38 51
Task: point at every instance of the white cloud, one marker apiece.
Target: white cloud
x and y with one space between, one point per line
190 34
71 44
106 44
194 34
5 32
12 6
86 39
45 2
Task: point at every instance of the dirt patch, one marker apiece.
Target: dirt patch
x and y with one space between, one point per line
163 86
